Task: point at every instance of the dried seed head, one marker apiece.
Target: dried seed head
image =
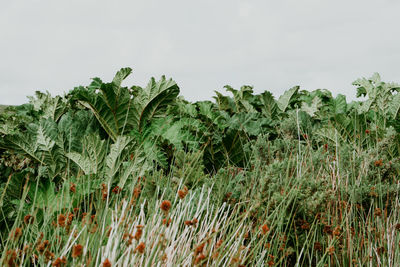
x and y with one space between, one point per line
107 263
327 229
138 234
16 234
72 188
378 212
181 194
264 229
166 222
61 220
199 249
77 251
116 190
140 248
70 218
336 231
199 258
165 205
317 246
11 256
136 192
60 262
49 255
305 225
28 219
42 246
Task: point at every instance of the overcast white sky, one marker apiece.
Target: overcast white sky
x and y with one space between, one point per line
203 45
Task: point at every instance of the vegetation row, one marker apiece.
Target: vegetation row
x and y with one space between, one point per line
109 175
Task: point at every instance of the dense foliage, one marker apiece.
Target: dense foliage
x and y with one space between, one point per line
304 179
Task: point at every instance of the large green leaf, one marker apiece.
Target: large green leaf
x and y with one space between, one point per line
116 155
313 108
339 104
94 150
394 106
269 105
285 99
51 107
153 100
242 98
110 103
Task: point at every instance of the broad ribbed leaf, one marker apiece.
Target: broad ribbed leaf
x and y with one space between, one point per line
394 106
115 158
284 100
224 102
94 150
339 104
153 100
268 104
313 108
52 107
111 104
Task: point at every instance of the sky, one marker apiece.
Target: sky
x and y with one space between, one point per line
203 45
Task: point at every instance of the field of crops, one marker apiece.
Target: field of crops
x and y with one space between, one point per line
109 175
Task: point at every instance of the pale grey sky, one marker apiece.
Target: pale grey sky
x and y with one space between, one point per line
203 45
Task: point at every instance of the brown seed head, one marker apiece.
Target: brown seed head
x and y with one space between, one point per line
138 234
42 246
136 192
199 258
107 263
17 233
70 218
330 250
379 163
378 212
327 229
264 229
165 205
166 222
336 231
199 249
317 246
72 188
77 251
116 190
305 225
140 248
59 262
181 194
28 219
11 256
49 255
61 220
